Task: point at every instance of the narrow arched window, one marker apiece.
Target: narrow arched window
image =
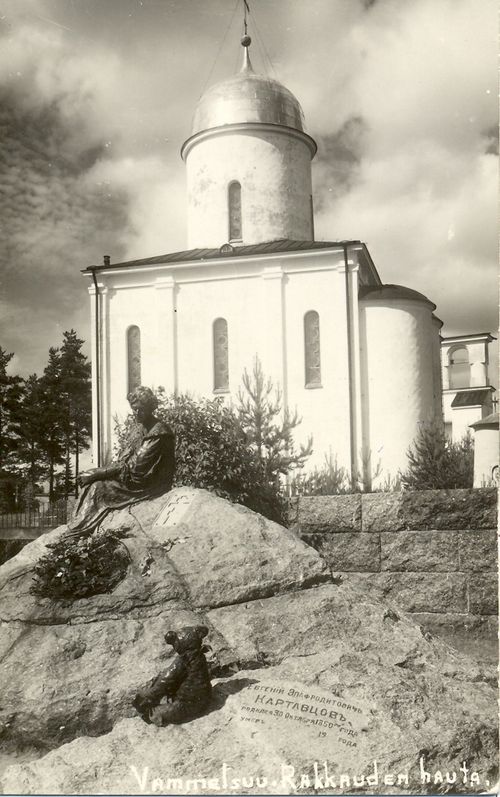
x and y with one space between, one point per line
312 349
221 361
133 358
234 206
459 368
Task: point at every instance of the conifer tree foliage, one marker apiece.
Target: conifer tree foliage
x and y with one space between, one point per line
268 426
10 395
436 463
44 423
30 452
75 387
52 443
65 396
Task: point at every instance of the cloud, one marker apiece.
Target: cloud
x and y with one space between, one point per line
155 202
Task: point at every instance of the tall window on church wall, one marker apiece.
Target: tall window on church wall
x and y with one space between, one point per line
221 360
133 357
312 349
234 203
459 368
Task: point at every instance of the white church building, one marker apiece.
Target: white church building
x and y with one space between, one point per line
359 360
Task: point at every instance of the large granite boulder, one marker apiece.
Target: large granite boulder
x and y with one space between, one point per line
309 671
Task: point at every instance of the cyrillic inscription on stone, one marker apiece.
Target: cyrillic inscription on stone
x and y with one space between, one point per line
305 720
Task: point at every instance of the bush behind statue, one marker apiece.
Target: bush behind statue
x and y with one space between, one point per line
213 452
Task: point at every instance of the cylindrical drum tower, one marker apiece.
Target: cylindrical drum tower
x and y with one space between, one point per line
248 164
399 338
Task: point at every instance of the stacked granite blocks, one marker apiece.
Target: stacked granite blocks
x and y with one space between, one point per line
433 552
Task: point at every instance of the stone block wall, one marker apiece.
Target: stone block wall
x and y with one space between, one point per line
433 552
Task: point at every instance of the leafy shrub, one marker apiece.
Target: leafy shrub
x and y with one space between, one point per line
213 452
436 463
80 568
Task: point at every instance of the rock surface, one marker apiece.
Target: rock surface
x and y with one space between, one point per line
275 617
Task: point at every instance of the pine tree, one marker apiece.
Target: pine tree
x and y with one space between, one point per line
53 442
10 396
435 463
75 387
268 427
32 432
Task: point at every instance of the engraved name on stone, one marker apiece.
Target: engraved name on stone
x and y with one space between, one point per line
305 717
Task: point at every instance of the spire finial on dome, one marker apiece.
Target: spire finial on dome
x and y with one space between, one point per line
247 64
246 40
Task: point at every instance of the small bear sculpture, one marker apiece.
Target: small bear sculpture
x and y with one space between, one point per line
185 684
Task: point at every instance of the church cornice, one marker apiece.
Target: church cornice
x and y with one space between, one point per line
265 248
246 127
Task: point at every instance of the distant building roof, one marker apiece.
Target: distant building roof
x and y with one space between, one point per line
490 422
471 336
471 397
393 292
227 250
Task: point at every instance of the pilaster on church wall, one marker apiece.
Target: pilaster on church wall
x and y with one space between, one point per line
106 398
95 442
360 455
166 334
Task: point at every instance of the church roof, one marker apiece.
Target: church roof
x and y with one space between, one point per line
266 248
470 336
392 292
491 422
472 397
247 97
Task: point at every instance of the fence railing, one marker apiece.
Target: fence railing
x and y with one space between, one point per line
47 517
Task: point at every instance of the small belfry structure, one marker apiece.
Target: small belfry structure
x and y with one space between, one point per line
467 393
358 359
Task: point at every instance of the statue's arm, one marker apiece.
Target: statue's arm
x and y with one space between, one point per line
111 471
164 685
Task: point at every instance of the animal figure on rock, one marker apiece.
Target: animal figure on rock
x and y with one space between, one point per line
185 684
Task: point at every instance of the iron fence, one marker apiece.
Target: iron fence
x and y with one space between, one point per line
47 517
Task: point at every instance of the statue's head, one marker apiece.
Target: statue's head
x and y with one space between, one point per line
143 402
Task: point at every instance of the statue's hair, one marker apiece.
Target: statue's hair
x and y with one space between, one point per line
143 396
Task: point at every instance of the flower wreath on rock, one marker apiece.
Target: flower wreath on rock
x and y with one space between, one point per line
81 568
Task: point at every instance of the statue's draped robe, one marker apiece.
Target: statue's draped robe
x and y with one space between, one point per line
146 473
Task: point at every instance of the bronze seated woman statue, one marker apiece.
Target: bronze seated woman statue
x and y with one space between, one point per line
140 474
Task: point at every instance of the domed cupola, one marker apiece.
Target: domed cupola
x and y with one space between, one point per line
248 163
247 97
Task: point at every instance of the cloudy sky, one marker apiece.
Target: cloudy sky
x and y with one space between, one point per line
98 95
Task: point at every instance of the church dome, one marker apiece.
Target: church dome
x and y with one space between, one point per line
247 97
392 293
